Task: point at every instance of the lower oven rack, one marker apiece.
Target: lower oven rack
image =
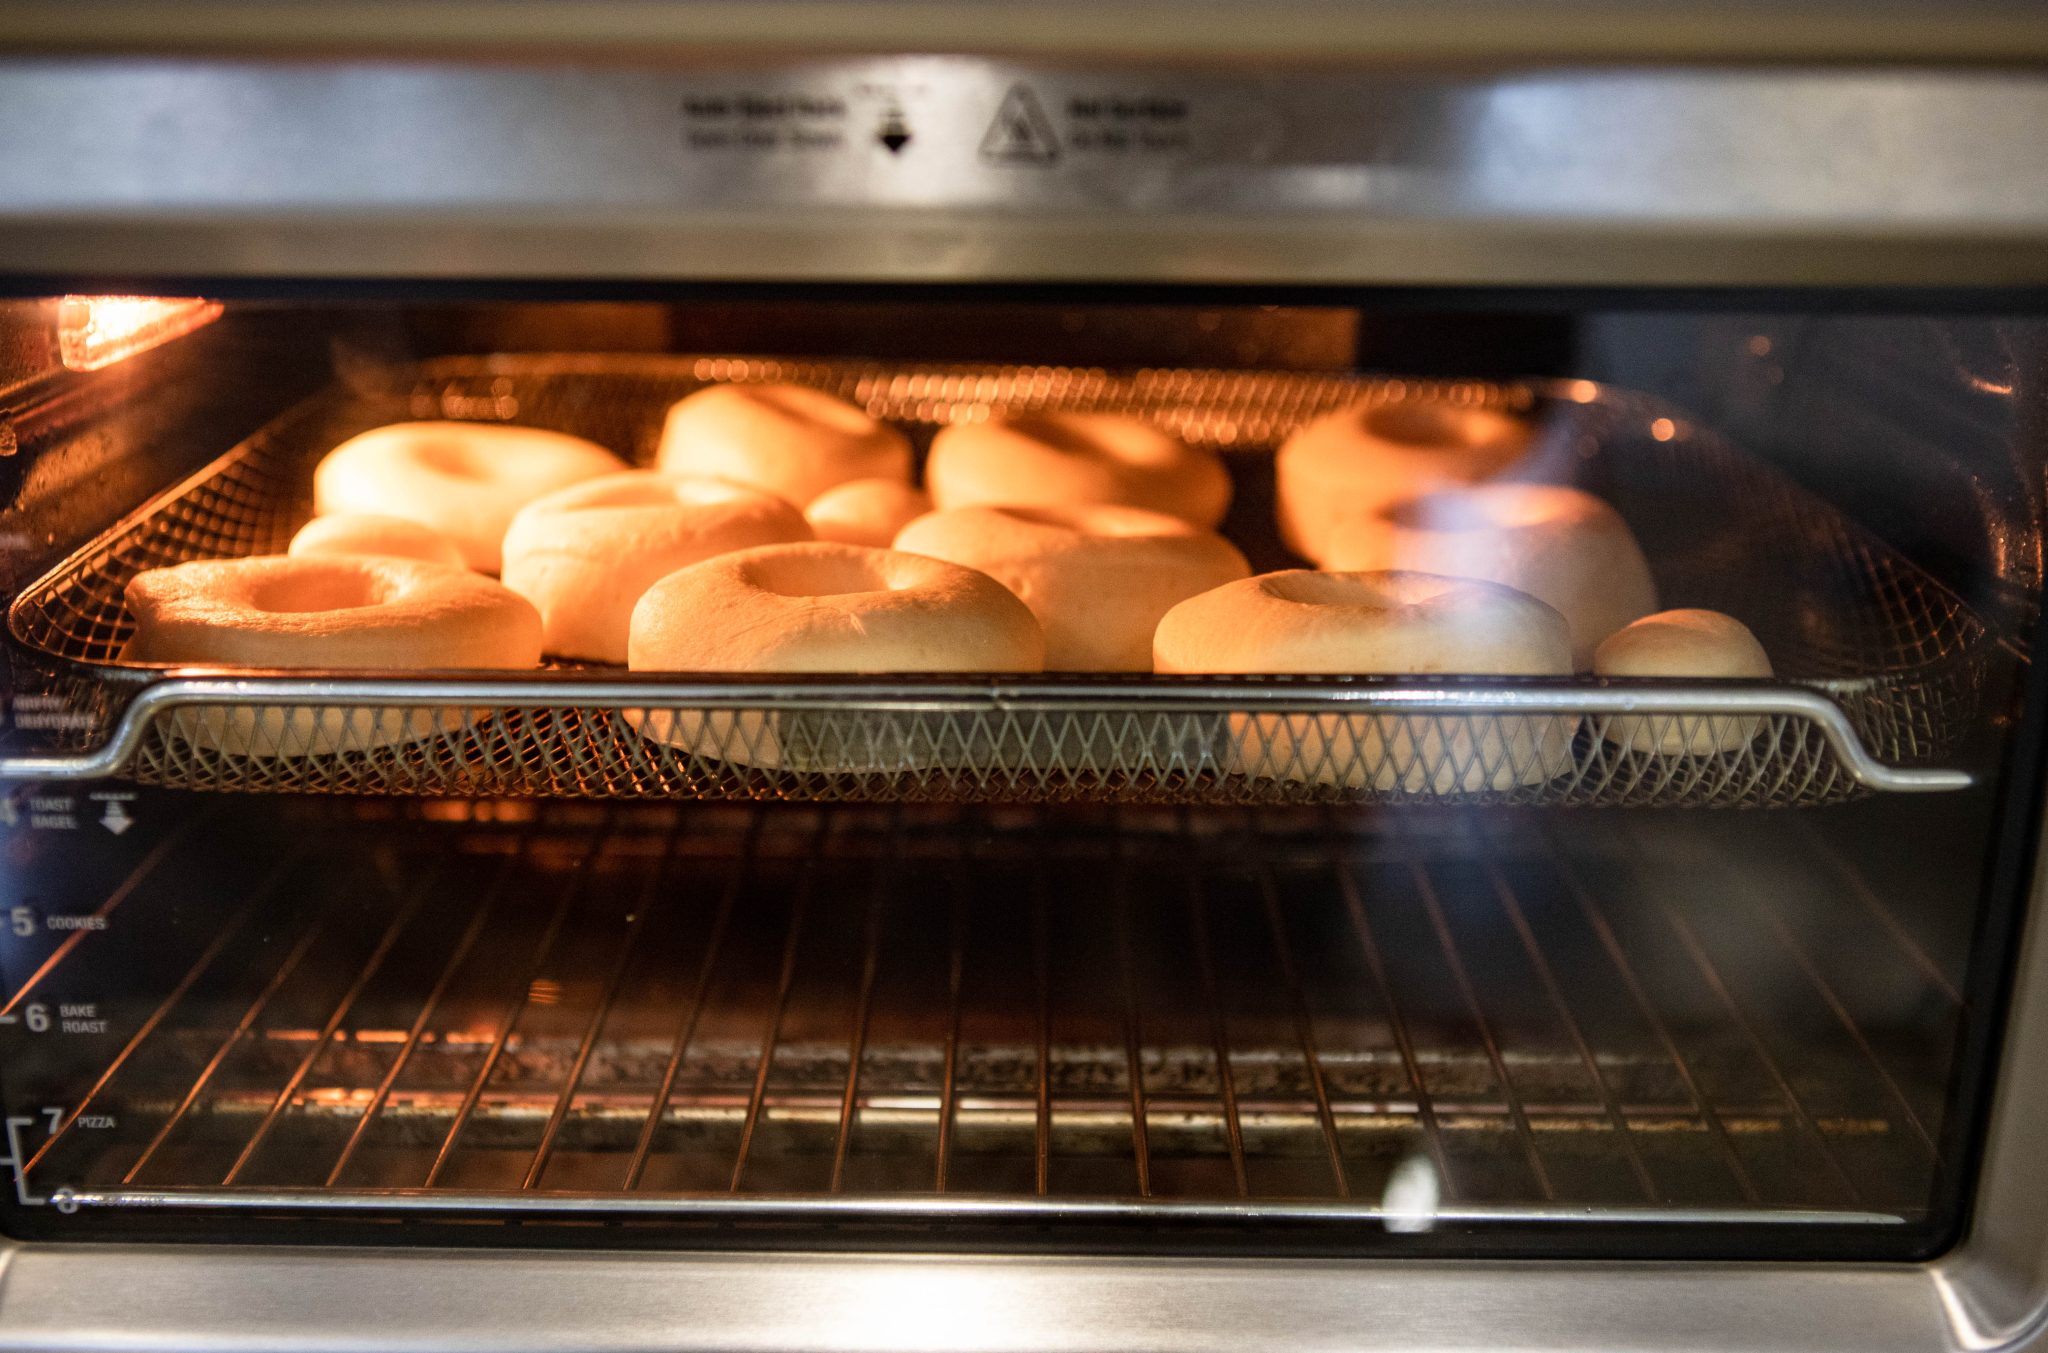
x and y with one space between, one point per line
1882 668
913 1017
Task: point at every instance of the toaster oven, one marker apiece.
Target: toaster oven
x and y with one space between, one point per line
584 1007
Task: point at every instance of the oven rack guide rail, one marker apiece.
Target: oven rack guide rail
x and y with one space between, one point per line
1881 669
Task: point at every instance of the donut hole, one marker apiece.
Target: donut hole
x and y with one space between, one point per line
816 575
302 593
1420 423
1096 437
1306 588
803 405
1477 510
457 460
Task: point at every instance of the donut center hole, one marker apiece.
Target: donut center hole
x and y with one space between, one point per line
827 576
1484 510
801 405
1447 513
450 458
1422 424
1368 594
316 592
1096 438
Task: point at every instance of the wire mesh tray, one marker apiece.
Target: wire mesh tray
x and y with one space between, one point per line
1880 667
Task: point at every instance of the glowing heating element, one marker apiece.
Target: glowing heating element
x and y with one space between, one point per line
98 331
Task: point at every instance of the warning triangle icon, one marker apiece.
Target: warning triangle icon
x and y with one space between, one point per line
1021 132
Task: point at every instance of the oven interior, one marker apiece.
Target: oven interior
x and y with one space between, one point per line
543 987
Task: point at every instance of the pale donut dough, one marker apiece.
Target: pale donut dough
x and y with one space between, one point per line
1344 467
583 555
1387 622
345 612
1060 459
463 479
1683 643
866 511
788 439
1098 576
820 607
1558 544
351 533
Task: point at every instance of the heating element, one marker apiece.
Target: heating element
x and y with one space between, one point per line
1409 1021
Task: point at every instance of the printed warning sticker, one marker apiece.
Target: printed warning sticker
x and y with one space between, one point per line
1021 133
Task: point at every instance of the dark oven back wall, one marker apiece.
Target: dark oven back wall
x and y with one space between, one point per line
1931 431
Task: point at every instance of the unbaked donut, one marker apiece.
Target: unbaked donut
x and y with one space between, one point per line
825 607
866 511
822 607
1558 544
352 533
463 479
1344 467
791 440
1389 622
1098 576
583 555
1060 459
342 612
1683 643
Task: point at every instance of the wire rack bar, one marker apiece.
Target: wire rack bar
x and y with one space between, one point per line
1825 991
429 1007
1425 890
416 899
228 933
1304 1027
284 973
934 1207
1133 1027
956 972
785 984
1710 974
693 1007
143 870
1212 1046
1610 944
652 897
1219 1034
543 948
864 1001
1546 976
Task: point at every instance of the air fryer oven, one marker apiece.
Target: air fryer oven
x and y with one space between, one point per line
581 1006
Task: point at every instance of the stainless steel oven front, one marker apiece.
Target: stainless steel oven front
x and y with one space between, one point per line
592 1007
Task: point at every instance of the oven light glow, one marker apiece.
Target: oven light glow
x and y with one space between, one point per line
98 331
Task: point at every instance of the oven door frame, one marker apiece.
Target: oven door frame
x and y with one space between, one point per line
1991 1292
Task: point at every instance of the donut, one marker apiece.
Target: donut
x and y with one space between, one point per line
866 511
824 607
1683 643
584 554
320 611
1060 459
465 480
793 441
1558 544
1385 622
1097 575
350 533
1345 466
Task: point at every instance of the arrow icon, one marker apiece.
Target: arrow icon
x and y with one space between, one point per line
116 819
893 134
